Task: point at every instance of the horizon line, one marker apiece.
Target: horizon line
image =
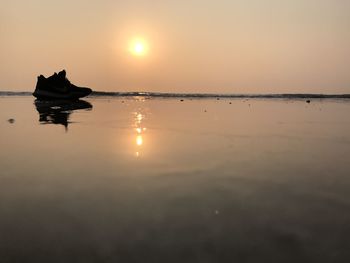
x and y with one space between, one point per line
196 95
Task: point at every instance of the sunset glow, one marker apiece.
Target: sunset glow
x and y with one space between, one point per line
174 131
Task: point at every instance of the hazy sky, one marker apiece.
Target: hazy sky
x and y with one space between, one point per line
242 46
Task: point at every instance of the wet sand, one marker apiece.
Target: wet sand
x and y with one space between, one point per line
131 179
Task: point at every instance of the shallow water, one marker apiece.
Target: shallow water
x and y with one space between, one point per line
163 180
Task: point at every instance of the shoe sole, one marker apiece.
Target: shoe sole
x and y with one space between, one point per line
47 95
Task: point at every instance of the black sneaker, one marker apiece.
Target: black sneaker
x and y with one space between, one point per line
58 87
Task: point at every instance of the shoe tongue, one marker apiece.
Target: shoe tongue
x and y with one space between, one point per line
62 74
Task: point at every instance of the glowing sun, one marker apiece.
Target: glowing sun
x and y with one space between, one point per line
138 47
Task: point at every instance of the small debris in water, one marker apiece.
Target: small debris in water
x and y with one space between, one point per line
308 101
216 212
230 102
122 101
205 110
11 121
181 100
218 98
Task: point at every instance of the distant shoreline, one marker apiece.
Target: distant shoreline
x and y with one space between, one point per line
197 95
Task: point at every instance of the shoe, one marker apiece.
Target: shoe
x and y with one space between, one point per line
58 86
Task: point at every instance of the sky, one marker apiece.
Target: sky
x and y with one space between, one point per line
224 46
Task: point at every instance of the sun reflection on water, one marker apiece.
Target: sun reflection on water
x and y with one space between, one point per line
139 117
140 130
139 140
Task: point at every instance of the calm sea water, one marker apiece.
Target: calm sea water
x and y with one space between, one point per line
164 180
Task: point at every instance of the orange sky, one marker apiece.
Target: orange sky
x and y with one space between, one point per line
271 46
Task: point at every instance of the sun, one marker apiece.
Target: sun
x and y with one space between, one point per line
138 47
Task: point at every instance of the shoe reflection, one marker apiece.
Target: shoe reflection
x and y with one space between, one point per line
59 111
